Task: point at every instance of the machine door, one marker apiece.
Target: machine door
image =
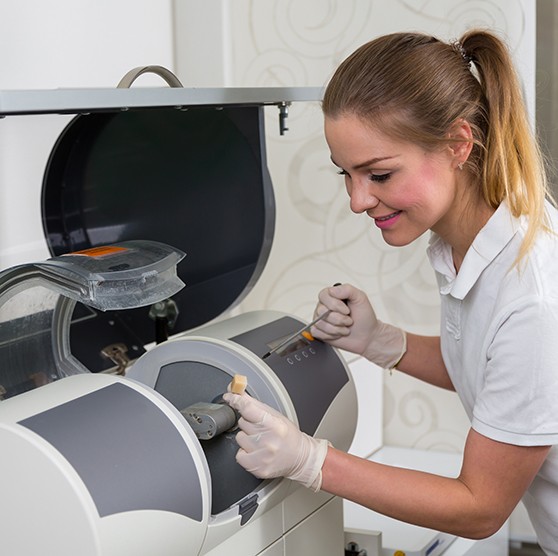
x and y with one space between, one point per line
194 179
194 369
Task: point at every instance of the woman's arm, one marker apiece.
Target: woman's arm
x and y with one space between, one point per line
423 360
493 477
492 481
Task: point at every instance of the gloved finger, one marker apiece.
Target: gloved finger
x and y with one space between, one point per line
232 399
247 442
328 331
338 320
251 409
336 298
271 427
334 323
250 428
259 452
252 456
243 459
252 463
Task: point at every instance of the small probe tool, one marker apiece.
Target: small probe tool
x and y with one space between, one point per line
304 331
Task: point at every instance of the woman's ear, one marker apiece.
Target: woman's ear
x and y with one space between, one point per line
461 141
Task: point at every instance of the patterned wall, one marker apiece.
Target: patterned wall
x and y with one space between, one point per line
318 240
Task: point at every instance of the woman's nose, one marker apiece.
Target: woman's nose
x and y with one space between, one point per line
362 199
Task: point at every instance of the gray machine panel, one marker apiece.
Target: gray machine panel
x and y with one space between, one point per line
126 451
310 371
184 383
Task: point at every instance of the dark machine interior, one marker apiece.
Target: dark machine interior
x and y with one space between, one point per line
195 179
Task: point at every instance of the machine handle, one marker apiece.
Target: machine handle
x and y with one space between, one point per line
133 74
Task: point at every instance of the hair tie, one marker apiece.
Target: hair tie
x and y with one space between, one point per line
458 47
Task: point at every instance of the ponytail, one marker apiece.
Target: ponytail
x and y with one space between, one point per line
512 164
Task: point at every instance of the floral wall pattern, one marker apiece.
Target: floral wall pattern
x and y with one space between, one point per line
318 240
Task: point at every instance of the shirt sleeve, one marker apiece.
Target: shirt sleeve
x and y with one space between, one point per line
518 401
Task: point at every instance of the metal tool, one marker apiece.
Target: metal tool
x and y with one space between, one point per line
299 332
296 334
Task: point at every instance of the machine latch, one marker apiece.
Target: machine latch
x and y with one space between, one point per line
247 508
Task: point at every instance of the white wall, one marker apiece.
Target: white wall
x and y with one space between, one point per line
63 44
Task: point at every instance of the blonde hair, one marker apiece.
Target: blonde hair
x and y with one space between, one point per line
415 87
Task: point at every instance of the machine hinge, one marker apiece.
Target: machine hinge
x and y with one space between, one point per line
247 508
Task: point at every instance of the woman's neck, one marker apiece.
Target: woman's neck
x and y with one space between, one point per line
462 225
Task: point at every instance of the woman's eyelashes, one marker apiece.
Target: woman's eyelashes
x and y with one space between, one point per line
380 177
372 177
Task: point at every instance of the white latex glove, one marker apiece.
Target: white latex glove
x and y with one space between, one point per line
352 325
272 446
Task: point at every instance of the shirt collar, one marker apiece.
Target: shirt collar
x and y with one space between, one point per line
489 242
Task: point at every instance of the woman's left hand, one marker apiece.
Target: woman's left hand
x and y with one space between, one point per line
272 446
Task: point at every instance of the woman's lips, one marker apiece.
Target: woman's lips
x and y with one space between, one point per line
384 222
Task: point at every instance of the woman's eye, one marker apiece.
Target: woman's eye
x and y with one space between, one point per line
372 177
380 177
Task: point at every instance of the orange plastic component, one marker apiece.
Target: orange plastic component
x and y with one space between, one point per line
307 335
100 251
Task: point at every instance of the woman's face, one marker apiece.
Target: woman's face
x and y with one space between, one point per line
405 189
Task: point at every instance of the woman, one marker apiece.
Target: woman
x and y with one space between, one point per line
431 136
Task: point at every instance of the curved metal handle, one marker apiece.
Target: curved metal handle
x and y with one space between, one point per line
133 74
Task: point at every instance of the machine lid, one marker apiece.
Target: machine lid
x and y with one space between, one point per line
195 179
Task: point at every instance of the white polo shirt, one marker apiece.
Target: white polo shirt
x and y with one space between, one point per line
499 338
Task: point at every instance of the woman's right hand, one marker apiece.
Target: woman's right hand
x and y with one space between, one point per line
352 325
352 321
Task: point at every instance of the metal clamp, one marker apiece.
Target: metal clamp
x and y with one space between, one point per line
118 354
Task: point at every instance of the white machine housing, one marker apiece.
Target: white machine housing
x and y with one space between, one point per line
105 464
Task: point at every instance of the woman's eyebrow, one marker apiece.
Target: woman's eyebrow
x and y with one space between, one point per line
366 163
